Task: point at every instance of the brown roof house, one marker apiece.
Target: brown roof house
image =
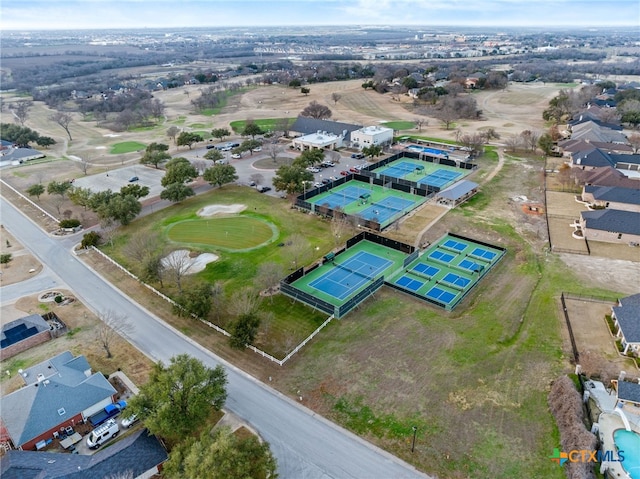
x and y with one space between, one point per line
59 392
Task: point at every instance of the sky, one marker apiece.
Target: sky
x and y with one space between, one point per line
99 14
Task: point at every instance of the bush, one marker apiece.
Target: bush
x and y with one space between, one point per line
58 299
90 239
70 223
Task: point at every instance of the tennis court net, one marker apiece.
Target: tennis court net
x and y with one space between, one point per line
344 193
420 274
353 271
387 207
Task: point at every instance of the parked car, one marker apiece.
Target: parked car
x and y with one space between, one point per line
236 156
102 434
258 148
264 189
133 179
210 147
252 183
222 162
353 169
327 164
357 156
326 181
344 172
108 412
129 421
317 184
313 169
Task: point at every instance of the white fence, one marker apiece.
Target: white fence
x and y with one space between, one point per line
280 362
28 200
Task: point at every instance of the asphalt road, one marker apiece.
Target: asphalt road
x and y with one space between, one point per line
305 444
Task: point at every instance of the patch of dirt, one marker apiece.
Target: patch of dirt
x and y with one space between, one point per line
23 264
212 210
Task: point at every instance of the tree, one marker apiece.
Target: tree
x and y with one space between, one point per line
36 190
298 248
257 178
221 454
305 91
178 170
244 330
188 139
268 276
81 197
177 192
58 188
110 327
252 129
295 83
336 97
179 398
172 132
137 191
420 122
63 119
213 155
545 142
21 110
141 245
447 115
250 145
512 143
5 258
155 153
340 226
90 239
45 141
153 269
309 158
634 141
119 208
372 151
474 143
291 178
220 175
317 111
530 139
274 150
220 133
283 125
196 300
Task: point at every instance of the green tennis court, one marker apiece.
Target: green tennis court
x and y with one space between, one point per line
422 172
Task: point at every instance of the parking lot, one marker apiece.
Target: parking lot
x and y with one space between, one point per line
115 179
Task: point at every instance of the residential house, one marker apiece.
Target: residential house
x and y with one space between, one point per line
605 176
611 226
598 158
591 131
59 392
138 456
626 317
613 197
570 146
628 394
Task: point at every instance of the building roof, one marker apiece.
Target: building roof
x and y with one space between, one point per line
616 194
374 130
575 145
606 176
591 131
65 389
458 190
615 221
307 125
628 316
135 454
19 154
628 391
23 328
597 157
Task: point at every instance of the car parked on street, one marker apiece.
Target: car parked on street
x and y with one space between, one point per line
357 156
263 189
344 173
129 421
326 181
236 156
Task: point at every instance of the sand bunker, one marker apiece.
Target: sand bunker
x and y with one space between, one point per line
181 261
212 210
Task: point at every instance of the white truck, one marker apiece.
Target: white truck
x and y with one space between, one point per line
102 434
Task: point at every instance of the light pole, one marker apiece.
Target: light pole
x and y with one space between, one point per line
413 443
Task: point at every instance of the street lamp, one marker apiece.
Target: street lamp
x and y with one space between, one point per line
413 443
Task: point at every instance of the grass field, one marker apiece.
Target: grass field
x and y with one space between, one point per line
127 147
400 125
267 124
232 233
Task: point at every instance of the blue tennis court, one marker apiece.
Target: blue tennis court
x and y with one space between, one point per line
456 280
484 254
399 170
387 208
454 245
441 256
440 178
470 265
441 295
426 270
350 275
409 283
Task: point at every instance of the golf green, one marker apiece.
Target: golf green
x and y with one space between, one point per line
231 233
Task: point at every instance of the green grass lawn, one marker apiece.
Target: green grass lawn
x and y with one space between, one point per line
267 124
231 233
127 147
400 125
428 138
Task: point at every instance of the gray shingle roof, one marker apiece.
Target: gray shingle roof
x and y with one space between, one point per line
615 221
458 190
137 453
34 409
629 196
307 125
628 316
628 391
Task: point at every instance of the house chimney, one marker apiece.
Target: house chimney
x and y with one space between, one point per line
40 377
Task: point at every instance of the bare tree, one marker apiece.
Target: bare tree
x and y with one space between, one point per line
244 301
111 326
340 227
336 97
530 139
172 132
268 277
317 111
83 165
298 248
273 150
420 122
63 119
473 142
634 141
177 264
141 245
257 178
512 143
21 110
